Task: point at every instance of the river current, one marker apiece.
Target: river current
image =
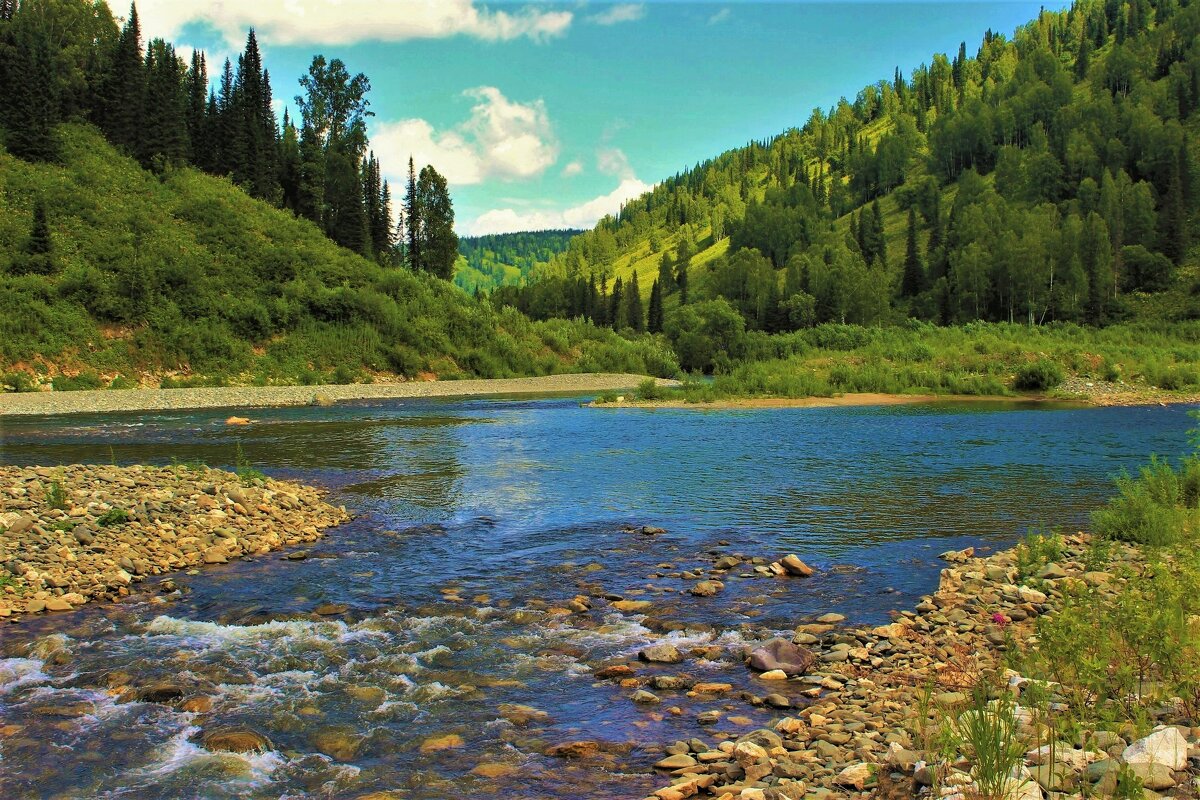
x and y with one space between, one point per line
446 658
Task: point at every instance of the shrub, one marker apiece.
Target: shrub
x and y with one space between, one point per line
82 382
1152 509
650 390
113 517
1039 376
56 496
18 382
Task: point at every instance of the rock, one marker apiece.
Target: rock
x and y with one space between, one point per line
958 556
1051 572
494 769
371 695
1165 746
578 749
614 672
725 563
522 715
712 688
237 421
796 567
631 606
436 744
855 775
1056 777
773 675
339 742
1029 595
830 619
645 698
164 692
322 400
707 588
58 604
780 654
1153 776
680 761
331 609
748 753
661 654
777 701
235 740
650 530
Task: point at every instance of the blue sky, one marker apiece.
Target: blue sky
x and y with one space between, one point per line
550 114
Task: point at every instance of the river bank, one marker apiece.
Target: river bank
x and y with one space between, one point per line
77 534
117 400
885 706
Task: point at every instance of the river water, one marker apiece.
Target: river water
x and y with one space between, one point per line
445 600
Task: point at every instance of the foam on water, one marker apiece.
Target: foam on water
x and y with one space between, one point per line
18 672
182 755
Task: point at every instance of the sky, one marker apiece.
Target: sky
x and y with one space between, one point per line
550 115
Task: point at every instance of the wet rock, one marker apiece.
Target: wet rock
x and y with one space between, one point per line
578 749
165 692
661 654
679 761
958 556
643 697
235 740
631 606
493 770
794 566
339 742
522 715
436 744
780 654
707 588
614 672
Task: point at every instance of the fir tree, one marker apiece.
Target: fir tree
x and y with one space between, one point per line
30 107
412 217
37 256
634 313
913 281
124 90
164 135
666 275
197 102
655 322
615 301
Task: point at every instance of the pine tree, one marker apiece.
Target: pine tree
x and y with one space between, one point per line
413 219
30 108
124 90
615 301
37 257
634 313
345 213
197 100
163 137
913 281
655 322
310 200
666 275
681 280
878 243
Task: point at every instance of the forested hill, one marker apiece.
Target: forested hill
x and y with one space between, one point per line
1048 177
505 259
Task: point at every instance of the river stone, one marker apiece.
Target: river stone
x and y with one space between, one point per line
1166 747
235 740
727 562
339 742
707 588
780 654
676 762
494 769
661 654
164 692
1154 776
645 698
794 566
435 744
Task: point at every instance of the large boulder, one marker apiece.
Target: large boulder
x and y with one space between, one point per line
795 566
661 654
1166 746
236 740
780 654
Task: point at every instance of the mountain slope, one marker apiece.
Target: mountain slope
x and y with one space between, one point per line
1051 178
185 273
504 259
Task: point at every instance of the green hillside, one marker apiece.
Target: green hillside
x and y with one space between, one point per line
1050 178
504 259
183 273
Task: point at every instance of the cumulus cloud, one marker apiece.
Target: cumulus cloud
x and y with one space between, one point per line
613 161
584 215
573 169
501 139
334 22
616 14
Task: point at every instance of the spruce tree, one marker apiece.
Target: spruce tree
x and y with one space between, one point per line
37 256
913 281
666 275
634 313
655 322
163 138
413 219
31 108
615 301
345 213
878 243
124 90
197 107
310 196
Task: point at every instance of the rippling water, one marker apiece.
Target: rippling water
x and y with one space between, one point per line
479 521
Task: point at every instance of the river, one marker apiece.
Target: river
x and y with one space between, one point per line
445 604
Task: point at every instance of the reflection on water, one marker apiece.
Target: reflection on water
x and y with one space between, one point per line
446 605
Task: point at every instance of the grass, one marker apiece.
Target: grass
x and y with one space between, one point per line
56 496
245 470
113 517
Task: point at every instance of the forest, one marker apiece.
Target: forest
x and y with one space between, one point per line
1046 179
507 258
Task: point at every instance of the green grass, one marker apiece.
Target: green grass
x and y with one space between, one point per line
113 517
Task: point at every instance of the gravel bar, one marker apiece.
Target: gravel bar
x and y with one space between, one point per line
110 400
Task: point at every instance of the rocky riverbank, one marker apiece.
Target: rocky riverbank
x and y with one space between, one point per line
78 534
113 400
872 698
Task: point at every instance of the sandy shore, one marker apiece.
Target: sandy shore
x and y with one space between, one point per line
104 401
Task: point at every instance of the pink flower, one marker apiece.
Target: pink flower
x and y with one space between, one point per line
1000 619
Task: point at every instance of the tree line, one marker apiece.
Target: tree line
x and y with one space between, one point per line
71 61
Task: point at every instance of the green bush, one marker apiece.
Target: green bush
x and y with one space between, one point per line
1156 508
649 390
1040 376
113 517
18 382
84 381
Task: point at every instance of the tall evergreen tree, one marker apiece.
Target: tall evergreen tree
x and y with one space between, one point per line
163 137
913 281
37 256
30 108
413 219
197 107
634 313
654 323
666 275
345 212
123 99
615 302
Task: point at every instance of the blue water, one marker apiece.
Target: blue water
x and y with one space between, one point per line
517 505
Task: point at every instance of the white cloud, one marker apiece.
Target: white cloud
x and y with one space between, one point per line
501 139
584 215
573 169
334 22
613 161
720 16
621 12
